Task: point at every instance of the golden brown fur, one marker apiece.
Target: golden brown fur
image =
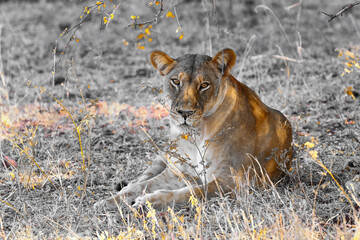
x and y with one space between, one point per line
223 132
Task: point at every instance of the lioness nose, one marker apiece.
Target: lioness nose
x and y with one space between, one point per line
185 114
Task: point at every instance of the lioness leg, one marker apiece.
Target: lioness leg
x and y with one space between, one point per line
164 197
156 167
166 180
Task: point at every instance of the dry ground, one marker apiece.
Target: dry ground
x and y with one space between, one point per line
101 86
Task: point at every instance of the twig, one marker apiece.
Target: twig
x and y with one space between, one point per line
177 20
207 25
5 202
73 30
2 73
344 9
155 19
277 20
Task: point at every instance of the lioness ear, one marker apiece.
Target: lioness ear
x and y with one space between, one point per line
162 62
225 60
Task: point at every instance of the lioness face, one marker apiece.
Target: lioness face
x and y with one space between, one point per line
193 84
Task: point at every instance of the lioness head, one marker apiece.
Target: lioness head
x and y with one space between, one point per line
194 83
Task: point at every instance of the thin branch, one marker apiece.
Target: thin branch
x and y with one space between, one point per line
343 10
155 19
73 29
89 16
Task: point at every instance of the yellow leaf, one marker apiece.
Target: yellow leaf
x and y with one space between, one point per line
157 2
170 14
309 145
185 136
313 139
313 154
181 36
133 17
349 91
111 16
125 42
77 40
148 204
147 31
193 200
350 54
12 175
140 36
140 47
105 20
150 39
323 186
98 3
340 53
67 164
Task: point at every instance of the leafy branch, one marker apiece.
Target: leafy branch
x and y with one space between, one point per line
148 22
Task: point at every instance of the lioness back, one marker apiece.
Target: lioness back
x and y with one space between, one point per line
223 132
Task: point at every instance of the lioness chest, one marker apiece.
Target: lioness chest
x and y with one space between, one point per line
192 154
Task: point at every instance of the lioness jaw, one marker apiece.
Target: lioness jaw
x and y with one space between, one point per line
223 131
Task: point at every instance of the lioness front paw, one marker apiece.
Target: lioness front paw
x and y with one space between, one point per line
139 201
126 196
157 199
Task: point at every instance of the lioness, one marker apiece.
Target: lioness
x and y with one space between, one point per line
222 129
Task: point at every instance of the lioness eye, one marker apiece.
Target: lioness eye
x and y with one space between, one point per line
204 85
175 81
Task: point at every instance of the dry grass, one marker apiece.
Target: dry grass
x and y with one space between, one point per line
286 53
